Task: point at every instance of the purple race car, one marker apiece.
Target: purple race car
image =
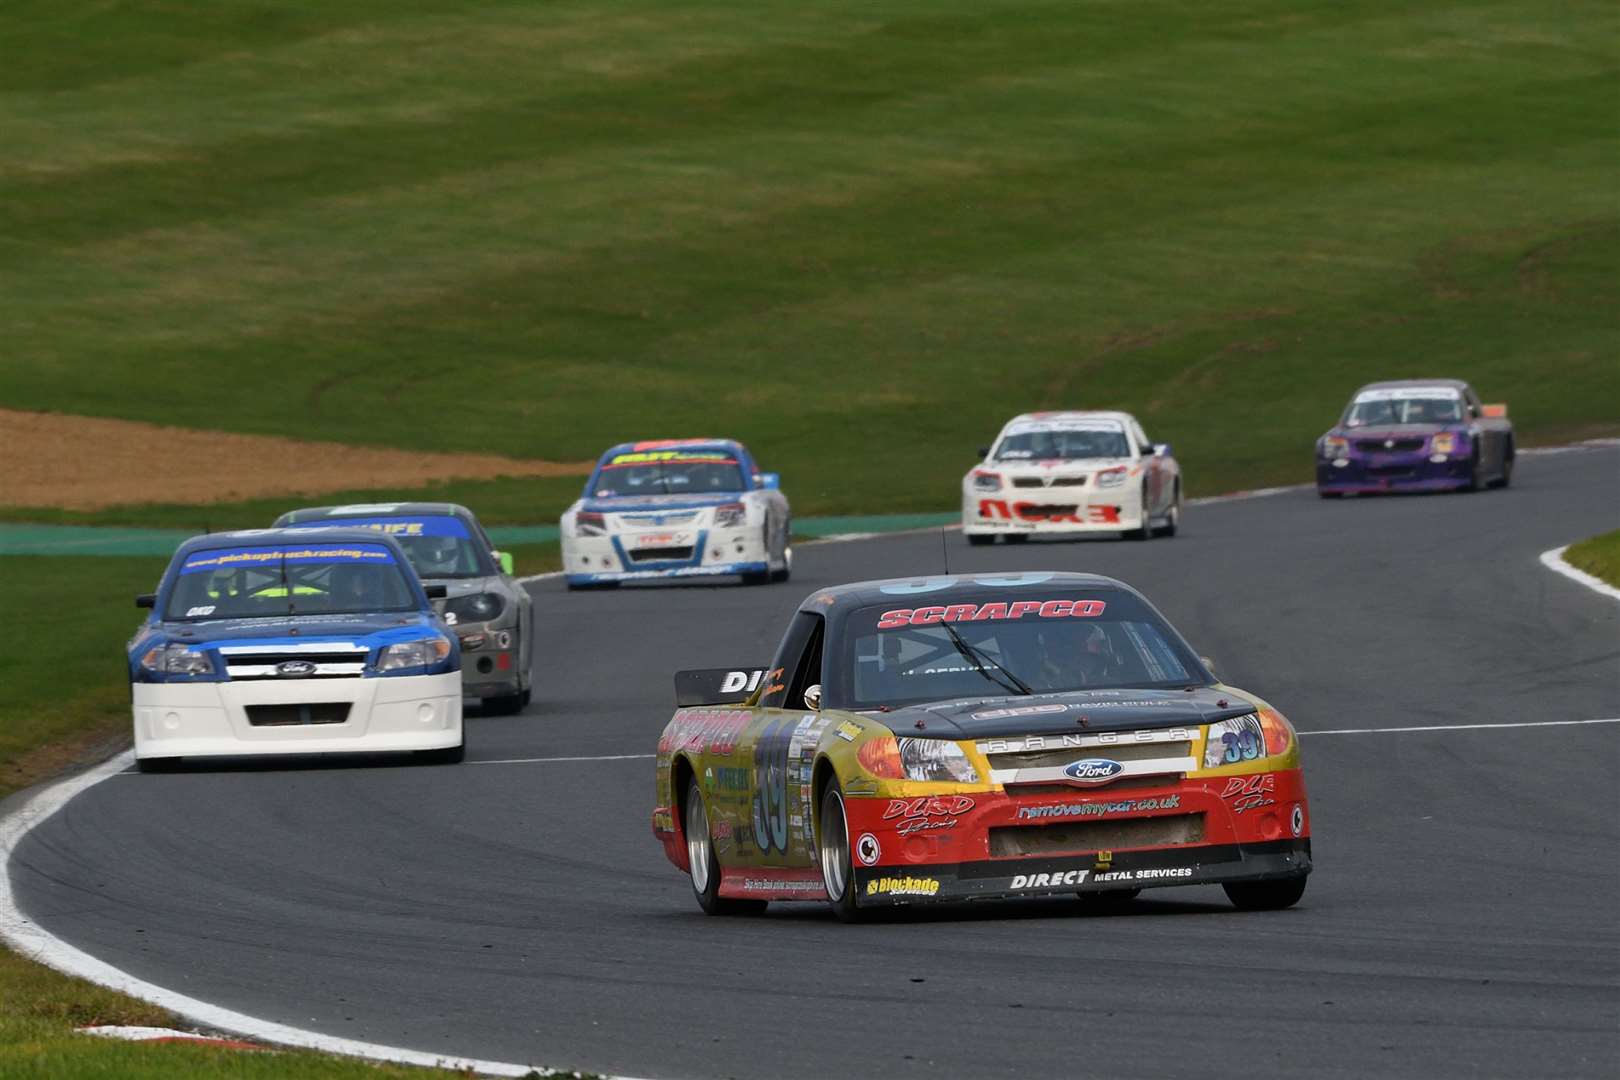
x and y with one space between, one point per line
1415 435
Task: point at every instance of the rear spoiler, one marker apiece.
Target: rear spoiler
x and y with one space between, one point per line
716 686
1494 410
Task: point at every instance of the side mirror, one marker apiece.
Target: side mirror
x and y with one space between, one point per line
146 600
436 592
1498 412
504 558
1207 662
812 697
1161 449
770 481
984 452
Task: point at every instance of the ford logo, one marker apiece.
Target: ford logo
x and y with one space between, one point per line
1093 770
295 668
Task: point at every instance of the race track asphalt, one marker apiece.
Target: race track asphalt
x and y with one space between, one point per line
1462 919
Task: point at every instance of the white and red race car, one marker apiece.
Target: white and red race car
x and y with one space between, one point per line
1072 472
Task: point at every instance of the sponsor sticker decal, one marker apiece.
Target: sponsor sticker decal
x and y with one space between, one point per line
1096 809
1049 881
848 730
902 886
926 814
1162 873
1250 792
1093 770
1297 820
994 610
868 850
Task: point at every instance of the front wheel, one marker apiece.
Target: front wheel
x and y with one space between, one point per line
832 840
1265 895
1144 531
1507 467
703 866
156 764
450 755
787 565
1172 517
980 539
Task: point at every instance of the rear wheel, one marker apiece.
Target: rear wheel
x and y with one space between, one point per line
1265 895
701 863
832 841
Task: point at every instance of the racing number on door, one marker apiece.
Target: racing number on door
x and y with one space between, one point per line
770 785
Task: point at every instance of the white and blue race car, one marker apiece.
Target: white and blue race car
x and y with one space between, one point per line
677 508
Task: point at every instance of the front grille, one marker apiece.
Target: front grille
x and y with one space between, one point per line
1389 446
345 664
323 712
1036 759
661 554
673 517
1392 472
1056 481
1088 836
1129 783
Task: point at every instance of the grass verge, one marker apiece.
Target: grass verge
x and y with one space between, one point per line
1598 556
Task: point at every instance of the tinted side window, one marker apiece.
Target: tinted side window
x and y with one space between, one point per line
802 638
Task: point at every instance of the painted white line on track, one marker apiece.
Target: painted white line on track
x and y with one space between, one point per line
546 760
1459 727
34 941
1554 561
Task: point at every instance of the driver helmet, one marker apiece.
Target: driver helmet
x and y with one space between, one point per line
436 555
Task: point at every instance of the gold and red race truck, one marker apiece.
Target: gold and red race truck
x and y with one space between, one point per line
978 737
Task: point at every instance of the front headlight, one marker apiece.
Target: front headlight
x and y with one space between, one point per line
1335 446
476 607
936 759
1111 477
1444 443
729 515
177 659
1247 738
413 654
986 481
590 523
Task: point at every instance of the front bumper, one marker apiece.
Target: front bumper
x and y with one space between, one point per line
489 668
627 555
1059 510
1413 471
212 719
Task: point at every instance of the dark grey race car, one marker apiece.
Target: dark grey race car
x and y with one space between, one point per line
490 612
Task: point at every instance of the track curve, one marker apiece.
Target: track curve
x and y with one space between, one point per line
1461 920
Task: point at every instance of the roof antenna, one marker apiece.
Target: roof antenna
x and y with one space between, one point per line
944 551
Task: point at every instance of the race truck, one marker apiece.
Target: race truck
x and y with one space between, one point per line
1068 473
1415 435
964 738
677 508
293 641
491 614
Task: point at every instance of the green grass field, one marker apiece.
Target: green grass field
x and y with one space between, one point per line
1598 556
856 235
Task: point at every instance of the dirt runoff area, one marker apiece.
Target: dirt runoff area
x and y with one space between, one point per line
89 463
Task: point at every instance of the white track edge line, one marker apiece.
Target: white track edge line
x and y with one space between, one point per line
1554 561
545 760
1460 727
33 941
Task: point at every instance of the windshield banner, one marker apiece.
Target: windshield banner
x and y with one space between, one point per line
226 558
1440 393
1017 609
662 457
394 526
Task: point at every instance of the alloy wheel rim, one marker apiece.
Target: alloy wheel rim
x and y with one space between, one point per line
697 841
834 845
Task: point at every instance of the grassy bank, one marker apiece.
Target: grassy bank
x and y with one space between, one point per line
1598 556
857 235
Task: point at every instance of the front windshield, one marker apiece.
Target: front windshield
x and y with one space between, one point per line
897 654
669 472
1416 405
274 581
1063 441
438 545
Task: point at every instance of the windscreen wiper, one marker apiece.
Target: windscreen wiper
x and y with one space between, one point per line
1012 683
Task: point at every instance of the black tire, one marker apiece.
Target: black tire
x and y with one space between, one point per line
1265 895
1330 494
1143 531
1015 538
832 843
1507 466
757 579
980 539
701 861
157 764
787 566
584 586
1474 483
1172 517
506 704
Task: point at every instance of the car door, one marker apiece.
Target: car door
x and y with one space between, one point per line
781 746
1154 467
